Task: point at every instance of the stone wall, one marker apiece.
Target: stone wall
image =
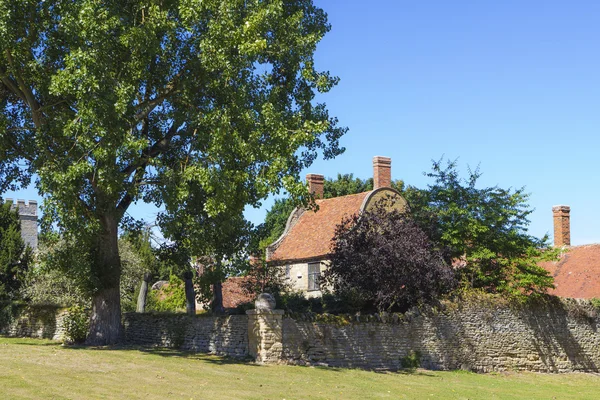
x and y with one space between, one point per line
483 336
37 322
557 338
219 335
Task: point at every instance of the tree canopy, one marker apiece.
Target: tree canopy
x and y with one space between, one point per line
483 231
109 103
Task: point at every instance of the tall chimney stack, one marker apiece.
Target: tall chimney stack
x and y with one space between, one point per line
562 225
382 172
315 185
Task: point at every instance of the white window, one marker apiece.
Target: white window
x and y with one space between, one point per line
314 276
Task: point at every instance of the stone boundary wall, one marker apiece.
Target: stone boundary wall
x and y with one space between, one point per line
480 336
43 322
562 337
218 335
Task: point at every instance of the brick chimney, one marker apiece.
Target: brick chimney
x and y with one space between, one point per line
562 225
382 172
315 185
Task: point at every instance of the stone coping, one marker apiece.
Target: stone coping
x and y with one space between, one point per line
265 312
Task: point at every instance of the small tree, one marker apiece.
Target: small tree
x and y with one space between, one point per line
384 257
14 254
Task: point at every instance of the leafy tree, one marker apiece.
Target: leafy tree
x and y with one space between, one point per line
344 185
483 230
109 103
15 255
384 257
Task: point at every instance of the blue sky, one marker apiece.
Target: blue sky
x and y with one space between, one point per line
511 85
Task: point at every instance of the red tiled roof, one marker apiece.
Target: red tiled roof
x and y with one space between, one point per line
577 273
233 292
311 236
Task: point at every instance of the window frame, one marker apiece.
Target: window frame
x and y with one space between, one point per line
314 277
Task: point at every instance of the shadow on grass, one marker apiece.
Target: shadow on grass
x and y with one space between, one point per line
57 344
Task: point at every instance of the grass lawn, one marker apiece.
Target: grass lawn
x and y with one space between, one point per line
41 369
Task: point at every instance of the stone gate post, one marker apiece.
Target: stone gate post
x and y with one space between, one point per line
265 331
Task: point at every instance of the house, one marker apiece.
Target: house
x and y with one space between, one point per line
28 218
577 272
305 245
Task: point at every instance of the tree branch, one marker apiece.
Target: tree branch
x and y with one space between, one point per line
30 99
139 166
146 107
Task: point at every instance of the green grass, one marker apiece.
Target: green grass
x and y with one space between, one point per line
41 369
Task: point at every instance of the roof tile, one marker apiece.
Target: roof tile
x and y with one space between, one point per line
577 273
311 236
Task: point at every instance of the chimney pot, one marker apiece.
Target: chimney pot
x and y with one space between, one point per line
315 185
382 172
562 225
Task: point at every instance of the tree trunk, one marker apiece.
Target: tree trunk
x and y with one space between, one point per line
217 302
141 302
105 322
190 296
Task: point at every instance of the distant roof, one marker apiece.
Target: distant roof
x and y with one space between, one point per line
234 293
311 235
577 273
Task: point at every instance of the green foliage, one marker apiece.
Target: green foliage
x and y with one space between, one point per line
273 227
75 324
15 256
169 298
328 303
595 302
483 231
411 361
8 311
59 274
137 258
199 107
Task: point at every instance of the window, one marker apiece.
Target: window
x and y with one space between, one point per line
288 271
314 276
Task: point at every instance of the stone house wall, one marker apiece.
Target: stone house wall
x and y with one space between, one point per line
297 275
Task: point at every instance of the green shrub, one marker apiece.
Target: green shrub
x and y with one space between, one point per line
170 298
8 312
411 361
76 323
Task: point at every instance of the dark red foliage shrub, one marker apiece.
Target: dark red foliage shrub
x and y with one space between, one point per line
384 257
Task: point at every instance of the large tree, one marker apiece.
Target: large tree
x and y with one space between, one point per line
108 103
